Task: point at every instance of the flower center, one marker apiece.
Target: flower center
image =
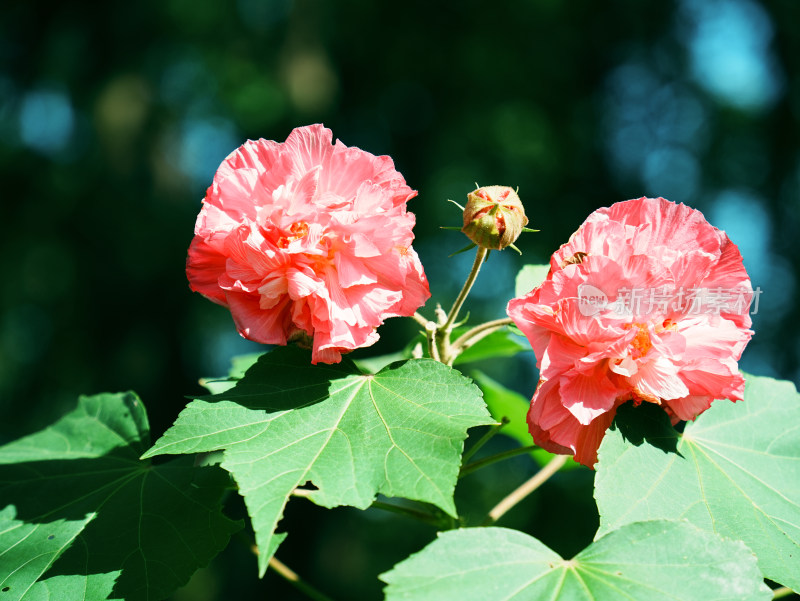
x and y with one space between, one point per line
297 230
641 343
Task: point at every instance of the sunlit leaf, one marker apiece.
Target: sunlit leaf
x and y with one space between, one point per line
399 432
656 561
154 525
529 277
735 471
27 550
239 365
503 343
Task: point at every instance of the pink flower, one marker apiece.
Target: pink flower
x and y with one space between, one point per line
647 301
307 240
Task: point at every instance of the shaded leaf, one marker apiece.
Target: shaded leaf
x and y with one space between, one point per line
657 561
399 432
735 471
154 525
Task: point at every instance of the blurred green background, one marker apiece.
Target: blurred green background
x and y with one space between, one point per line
114 117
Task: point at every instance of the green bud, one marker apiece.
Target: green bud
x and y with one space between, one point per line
494 217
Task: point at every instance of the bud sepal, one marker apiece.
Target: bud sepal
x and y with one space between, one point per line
494 217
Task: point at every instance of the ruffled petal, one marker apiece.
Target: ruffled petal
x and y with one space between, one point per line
308 236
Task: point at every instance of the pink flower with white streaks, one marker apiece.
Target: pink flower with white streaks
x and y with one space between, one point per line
307 240
646 302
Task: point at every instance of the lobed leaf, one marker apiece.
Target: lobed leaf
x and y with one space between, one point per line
735 471
399 432
657 561
153 525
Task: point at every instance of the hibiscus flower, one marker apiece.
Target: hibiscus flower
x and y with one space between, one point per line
646 302
309 241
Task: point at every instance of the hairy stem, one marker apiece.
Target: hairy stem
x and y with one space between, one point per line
480 257
476 465
444 328
420 319
527 488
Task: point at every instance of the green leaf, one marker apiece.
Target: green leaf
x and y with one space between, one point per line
504 402
735 471
399 432
28 550
239 365
529 277
96 587
154 525
372 365
502 343
656 561
505 342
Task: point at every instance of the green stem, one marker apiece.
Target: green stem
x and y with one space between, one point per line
470 337
484 439
780 593
476 465
295 580
416 514
284 570
527 488
445 326
420 319
480 257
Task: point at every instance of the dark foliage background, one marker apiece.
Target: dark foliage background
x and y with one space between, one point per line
115 115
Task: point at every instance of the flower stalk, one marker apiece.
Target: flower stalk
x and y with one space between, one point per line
542 476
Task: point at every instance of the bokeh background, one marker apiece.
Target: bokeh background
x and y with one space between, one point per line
115 115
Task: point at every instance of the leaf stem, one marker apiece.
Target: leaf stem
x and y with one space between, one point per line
527 488
284 570
780 593
470 337
476 465
410 512
484 439
295 580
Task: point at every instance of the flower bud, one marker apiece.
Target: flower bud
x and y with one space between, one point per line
494 217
